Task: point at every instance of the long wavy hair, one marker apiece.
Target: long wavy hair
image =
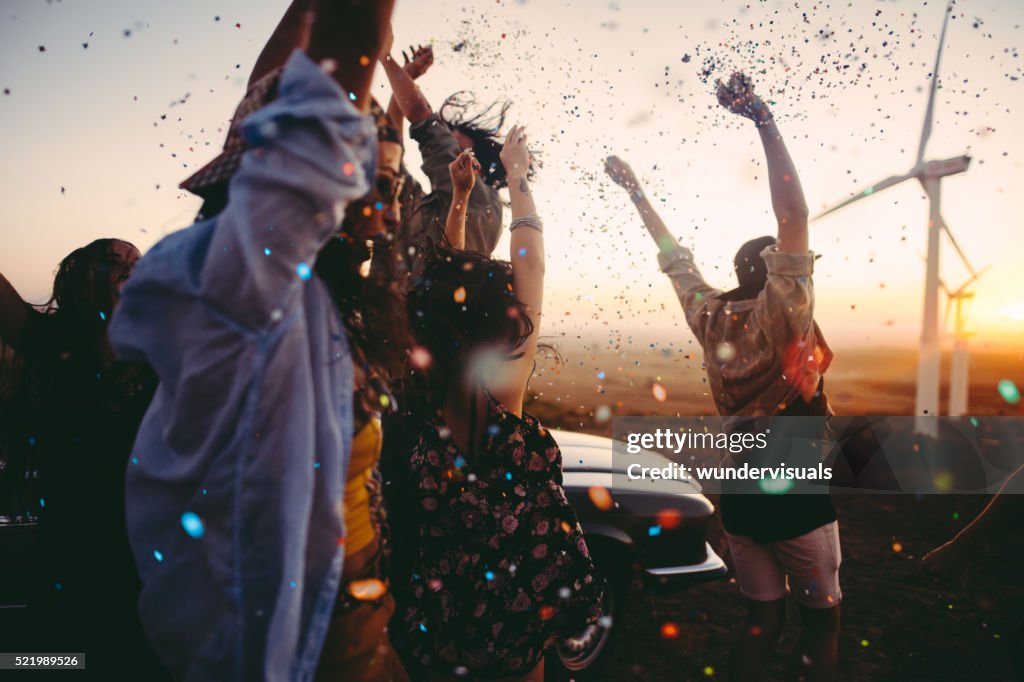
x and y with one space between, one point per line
372 307
463 303
484 129
65 367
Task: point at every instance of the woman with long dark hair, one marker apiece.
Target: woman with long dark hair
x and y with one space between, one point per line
254 516
70 412
442 136
501 570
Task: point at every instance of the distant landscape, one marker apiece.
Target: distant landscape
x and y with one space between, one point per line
596 373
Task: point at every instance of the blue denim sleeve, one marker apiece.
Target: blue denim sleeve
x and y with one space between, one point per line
312 153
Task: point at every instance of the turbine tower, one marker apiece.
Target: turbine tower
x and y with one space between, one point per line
959 359
929 174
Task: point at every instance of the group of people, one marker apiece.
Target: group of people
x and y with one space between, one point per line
292 442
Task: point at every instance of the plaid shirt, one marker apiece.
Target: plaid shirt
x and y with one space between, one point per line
760 353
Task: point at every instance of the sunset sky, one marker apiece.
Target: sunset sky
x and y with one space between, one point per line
97 137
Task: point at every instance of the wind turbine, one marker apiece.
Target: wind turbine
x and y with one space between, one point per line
958 369
929 174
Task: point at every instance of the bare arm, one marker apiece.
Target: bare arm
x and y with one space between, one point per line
788 201
527 255
464 171
291 32
349 35
13 313
1002 512
623 175
411 102
416 65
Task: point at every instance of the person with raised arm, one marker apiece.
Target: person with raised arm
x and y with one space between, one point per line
501 570
442 136
765 357
251 495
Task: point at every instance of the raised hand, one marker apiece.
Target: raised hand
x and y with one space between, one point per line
464 171
418 61
515 155
737 95
620 172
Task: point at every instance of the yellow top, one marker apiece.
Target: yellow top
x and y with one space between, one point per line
365 453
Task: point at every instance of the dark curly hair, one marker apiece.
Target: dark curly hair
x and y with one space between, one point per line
463 302
483 128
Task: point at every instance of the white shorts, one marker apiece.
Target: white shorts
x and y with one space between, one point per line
807 565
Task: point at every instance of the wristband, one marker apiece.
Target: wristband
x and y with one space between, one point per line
636 195
531 220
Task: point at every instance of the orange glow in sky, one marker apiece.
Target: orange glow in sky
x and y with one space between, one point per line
127 99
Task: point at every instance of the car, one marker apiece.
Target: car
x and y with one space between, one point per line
654 531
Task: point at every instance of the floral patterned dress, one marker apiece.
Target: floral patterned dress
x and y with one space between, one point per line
502 569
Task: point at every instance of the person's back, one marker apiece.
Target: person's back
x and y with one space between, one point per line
765 357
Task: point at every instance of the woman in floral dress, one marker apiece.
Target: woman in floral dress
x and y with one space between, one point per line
501 570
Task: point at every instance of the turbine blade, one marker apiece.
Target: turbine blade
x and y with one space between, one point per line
956 246
873 189
926 132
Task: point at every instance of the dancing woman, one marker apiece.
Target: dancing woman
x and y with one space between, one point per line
272 350
502 570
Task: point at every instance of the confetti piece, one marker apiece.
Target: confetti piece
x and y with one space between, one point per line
600 497
897 547
725 351
669 630
775 486
420 357
1009 391
669 518
602 414
460 295
709 671
293 584
659 392
348 168
303 271
158 555
192 524
864 642
654 531
369 589
547 612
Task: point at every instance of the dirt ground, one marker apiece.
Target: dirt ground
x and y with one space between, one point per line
897 624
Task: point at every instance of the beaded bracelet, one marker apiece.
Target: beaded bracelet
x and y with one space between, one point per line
531 220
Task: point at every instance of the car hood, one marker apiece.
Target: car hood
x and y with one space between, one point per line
586 453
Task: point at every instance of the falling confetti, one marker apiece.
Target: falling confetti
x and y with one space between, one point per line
669 630
420 357
192 524
370 589
601 497
1009 391
659 392
669 518
460 295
